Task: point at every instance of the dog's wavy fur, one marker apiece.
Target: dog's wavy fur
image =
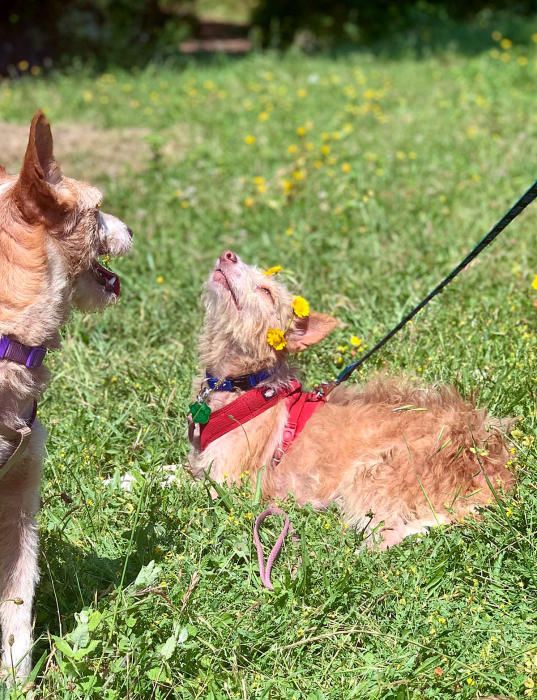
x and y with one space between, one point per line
395 456
51 232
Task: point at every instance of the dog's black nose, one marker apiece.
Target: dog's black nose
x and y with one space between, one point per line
129 231
228 256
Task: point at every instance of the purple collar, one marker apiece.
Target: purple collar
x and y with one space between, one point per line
30 357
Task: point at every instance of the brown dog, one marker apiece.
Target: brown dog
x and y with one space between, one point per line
51 234
412 456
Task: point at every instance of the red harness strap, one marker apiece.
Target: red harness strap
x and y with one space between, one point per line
301 406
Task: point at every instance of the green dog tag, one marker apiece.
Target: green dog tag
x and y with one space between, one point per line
200 412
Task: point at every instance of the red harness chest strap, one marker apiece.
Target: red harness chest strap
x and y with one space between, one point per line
249 405
301 406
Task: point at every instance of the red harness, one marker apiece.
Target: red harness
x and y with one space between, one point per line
301 405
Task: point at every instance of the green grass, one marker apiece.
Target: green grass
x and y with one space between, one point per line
154 593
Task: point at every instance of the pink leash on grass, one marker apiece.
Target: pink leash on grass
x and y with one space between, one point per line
266 569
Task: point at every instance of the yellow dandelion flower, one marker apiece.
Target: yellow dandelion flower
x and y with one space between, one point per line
249 140
289 231
287 186
301 131
355 341
506 44
263 116
534 283
259 180
159 279
325 149
293 148
276 338
23 65
470 681
301 307
273 270
522 61
302 92
346 167
534 38
299 175
249 202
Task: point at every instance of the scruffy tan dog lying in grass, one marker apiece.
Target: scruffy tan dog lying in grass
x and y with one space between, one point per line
51 233
411 456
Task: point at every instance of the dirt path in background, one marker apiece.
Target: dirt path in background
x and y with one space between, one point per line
89 153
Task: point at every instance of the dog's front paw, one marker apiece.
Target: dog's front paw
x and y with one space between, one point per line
13 674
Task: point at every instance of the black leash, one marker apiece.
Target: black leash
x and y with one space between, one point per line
526 199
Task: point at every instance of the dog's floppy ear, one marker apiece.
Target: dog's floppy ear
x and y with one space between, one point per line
310 330
36 194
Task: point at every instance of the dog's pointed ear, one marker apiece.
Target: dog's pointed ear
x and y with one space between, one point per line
309 330
40 173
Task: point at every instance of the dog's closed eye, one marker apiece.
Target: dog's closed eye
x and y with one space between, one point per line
267 293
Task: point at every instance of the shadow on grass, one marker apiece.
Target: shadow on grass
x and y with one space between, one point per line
437 37
422 36
73 578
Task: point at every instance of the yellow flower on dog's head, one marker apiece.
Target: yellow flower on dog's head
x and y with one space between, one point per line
276 338
273 270
301 307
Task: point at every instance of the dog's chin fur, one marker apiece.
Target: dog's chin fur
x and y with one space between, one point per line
51 231
414 456
88 296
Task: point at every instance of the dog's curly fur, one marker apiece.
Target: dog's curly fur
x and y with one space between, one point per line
51 232
411 456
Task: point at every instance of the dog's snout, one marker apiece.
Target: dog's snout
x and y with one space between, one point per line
228 256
